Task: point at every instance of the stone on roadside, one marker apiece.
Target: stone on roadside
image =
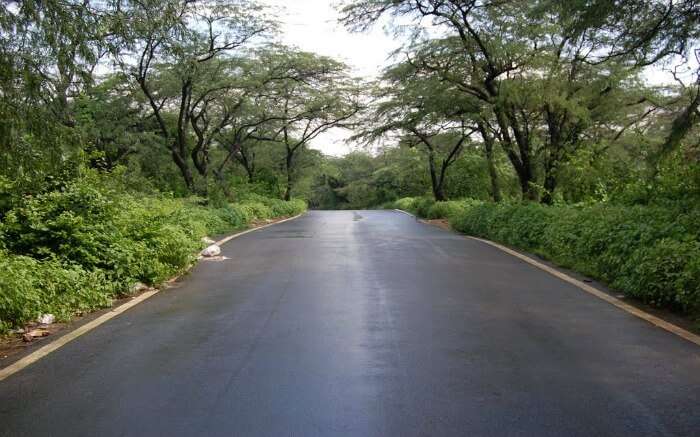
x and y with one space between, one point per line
46 319
138 287
208 241
211 251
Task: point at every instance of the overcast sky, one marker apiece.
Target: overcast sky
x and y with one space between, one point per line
312 25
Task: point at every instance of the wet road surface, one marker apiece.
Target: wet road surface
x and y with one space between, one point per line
363 323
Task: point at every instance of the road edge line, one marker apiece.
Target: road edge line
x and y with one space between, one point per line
660 323
248 231
631 309
84 329
405 212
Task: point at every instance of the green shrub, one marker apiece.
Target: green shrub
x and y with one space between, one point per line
648 252
281 208
78 248
443 210
406 204
29 288
258 210
427 207
278 207
666 274
422 206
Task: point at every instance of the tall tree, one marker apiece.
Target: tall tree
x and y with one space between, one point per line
315 95
48 50
423 112
537 77
184 41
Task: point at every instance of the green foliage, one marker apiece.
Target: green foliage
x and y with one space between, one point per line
96 170
409 204
29 287
651 253
427 207
78 248
278 207
648 252
444 210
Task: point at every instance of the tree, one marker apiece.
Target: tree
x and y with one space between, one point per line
315 94
423 112
662 34
180 46
537 77
48 51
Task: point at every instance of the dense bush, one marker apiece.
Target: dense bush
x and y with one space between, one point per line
647 252
277 207
29 287
78 248
427 207
651 253
448 209
406 204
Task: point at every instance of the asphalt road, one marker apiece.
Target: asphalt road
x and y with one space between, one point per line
363 323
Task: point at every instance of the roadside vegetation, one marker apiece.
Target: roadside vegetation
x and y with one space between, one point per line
75 250
648 252
129 130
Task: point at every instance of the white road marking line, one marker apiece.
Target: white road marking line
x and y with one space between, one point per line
405 212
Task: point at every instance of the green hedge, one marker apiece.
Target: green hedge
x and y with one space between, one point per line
76 249
650 253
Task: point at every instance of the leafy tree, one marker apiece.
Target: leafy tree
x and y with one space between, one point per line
423 112
48 51
534 75
315 94
175 49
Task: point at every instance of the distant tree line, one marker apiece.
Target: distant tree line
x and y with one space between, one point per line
557 88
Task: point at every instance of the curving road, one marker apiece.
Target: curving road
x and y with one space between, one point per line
363 323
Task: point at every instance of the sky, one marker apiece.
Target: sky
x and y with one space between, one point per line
312 25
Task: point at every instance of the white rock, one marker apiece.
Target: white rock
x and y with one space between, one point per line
46 319
208 241
138 287
212 250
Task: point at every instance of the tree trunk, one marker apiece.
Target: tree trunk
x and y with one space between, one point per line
550 184
288 168
251 175
521 161
681 125
184 168
528 191
439 193
493 174
436 181
222 183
